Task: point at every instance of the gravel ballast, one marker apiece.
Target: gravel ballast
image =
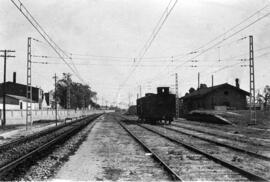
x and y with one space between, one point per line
109 153
45 165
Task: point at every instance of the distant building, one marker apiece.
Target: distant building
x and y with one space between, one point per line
14 102
49 100
219 96
16 95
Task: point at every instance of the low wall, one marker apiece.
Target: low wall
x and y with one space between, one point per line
19 116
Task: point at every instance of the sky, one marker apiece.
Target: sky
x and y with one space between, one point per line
105 38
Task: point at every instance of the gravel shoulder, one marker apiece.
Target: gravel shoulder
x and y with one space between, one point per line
109 153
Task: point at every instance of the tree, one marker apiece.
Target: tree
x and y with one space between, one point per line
265 96
80 95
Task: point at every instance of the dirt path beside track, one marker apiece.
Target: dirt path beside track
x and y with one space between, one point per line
109 153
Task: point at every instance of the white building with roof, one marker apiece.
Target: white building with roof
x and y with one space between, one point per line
15 102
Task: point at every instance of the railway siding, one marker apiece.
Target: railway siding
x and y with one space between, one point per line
260 151
240 159
189 165
248 134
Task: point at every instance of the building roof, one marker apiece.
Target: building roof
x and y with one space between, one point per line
204 91
20 98
12 83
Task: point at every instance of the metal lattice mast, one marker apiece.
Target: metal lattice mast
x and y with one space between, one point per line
55 98
68 90
28 86
176 97
252 107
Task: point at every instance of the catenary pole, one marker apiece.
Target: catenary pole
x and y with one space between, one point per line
55 98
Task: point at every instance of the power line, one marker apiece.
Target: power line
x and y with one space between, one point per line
231 35
113 57
152 37
216 38
232 28
234 58
19 5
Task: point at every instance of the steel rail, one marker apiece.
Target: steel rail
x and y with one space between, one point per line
38 134
6 168
250 175
240 138
154 155
222 144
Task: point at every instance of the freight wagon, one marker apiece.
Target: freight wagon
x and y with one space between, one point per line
158 107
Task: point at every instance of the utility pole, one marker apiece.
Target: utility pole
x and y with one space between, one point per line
212 77
198 80
129 99
55 98
212 98
28 86
252 106
140 91
4 83
68 90
102 101
176 97
68 93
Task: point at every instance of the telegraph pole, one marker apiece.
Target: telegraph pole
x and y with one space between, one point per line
176 97
252 107
55 99
129 99
140 91
198 80
68 93
4 83
212 98
212 80
67 77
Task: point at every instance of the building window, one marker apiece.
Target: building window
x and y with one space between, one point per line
226 93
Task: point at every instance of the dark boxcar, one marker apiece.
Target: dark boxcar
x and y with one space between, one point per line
157 107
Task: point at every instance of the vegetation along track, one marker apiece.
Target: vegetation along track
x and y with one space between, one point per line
187 160
16 152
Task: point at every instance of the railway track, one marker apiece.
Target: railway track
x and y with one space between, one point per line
262 137
222 134
187 161
225 142
18 151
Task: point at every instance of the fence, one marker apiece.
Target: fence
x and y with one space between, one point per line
19 116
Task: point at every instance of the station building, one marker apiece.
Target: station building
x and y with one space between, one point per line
223 96
16 95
